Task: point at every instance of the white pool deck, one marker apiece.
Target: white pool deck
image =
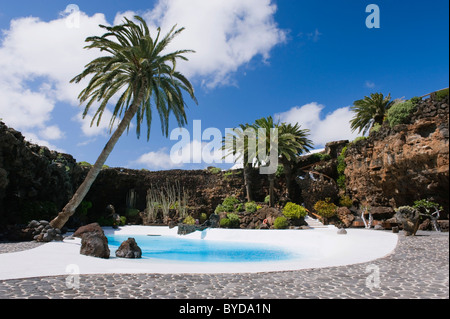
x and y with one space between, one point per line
321 247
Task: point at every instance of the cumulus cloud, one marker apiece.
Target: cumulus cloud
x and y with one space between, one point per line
326 128
225 34
38 59
181 153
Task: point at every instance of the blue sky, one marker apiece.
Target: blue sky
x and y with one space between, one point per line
302 61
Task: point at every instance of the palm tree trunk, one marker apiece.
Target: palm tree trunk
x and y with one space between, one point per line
271 190
287 169
69 209
247 182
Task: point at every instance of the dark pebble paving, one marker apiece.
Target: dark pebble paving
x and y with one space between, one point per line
418 268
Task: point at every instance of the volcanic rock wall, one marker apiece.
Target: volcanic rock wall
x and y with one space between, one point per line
33 179
396 166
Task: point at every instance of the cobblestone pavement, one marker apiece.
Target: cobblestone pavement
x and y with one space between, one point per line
418 268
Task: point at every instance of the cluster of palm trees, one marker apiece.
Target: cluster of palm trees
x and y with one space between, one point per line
138 68
244 144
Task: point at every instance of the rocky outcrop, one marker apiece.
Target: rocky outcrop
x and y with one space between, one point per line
34 181
396 166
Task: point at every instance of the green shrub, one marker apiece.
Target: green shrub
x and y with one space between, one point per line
240 207
131 212
203 218
280 171
230 203
251 207
85 164
280 223
294 211
214 170
189 220
398 113
325 209
359 138
346 201
416 100
341 166
442 94
375 128
224 223
267 199
426 206
341 182
109 221
234 220
219 209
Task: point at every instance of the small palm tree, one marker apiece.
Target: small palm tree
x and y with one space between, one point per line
369 111
289 145
144 75
237 144
301 145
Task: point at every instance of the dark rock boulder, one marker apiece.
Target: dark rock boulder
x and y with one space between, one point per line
95 245
410 219
91 228
129 249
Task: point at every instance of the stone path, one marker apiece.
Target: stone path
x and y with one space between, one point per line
418 268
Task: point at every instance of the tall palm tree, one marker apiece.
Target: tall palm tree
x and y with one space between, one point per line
288 146
369 111
289 159
237 145
144 75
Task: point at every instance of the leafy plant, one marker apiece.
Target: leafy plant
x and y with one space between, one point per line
280 223
426 206
234 220
214 170
230 204
189 220
416 100
359 138
442 94
203 217
267 199
341 166
325 208
251 207
85 164
375 128
224 223
398 113
219 209
346 201
294 211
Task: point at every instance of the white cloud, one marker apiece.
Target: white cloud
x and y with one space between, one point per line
157 160
52 133
192 152
369 84
333 126
225 34
38 59
34 139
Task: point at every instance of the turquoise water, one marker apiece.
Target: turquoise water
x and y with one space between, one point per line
174 248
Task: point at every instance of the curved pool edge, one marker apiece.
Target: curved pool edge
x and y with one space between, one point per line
332 250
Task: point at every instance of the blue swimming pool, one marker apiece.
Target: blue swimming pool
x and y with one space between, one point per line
200 250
